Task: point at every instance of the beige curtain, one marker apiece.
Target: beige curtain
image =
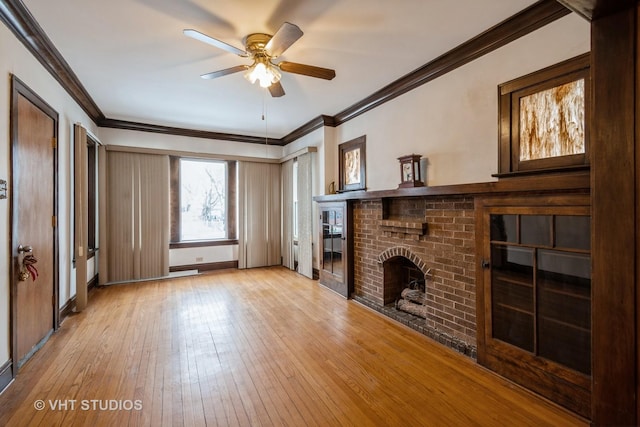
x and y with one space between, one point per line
81 214
137 216
103 229
259 214
287 215
305 216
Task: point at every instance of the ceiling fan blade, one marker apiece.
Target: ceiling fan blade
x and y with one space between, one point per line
213 42
224 72
286 35
276 90
307 70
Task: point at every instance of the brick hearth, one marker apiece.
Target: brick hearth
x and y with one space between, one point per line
436 234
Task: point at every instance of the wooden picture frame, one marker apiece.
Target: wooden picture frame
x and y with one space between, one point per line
352 165
552 105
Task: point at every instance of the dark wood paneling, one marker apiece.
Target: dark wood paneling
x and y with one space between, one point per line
168 130
525 22
546 183
509 94
594 9
20 21
614 229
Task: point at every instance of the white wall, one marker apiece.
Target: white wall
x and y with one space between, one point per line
452 120
203 255
16 59
139 139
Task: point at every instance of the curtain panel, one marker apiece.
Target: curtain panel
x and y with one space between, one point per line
137 216
287 215
259 215
305 216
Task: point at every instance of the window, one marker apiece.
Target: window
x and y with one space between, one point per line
92 182
92 200
295 200
202 200
544 120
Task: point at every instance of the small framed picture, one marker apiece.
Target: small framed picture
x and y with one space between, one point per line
352 164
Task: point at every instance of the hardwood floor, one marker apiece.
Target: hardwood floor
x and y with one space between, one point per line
254 347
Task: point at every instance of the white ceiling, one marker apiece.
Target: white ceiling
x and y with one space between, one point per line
136 64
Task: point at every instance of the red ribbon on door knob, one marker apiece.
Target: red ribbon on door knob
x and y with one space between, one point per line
28 263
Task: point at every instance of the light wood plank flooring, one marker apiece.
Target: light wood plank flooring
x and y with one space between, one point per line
254 347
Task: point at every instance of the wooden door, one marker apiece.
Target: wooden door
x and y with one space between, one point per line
34 200
335 268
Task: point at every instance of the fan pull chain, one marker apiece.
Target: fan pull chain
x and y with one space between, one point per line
264 118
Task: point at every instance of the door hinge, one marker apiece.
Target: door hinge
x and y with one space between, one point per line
54 142
54 221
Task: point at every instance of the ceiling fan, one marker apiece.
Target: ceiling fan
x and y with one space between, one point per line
263 49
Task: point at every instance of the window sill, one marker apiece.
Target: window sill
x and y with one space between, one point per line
202 243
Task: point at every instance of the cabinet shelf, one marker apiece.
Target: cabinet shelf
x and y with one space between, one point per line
514 308
513 279
566 324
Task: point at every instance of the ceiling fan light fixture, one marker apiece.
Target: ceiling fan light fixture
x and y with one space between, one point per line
264 72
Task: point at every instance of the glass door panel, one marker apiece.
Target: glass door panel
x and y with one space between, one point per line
332 239
512 303
564 308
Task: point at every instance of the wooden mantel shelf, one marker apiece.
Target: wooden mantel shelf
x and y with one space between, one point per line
544 183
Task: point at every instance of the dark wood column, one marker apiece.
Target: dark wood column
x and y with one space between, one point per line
614 186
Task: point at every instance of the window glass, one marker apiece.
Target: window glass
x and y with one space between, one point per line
535 230
203 199
573 232
512 295
504 228
564 308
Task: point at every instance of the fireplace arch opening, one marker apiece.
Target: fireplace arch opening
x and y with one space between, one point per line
404 281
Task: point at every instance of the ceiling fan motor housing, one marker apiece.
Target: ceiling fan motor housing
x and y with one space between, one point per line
255 43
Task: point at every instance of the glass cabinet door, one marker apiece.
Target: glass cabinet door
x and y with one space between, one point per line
332 241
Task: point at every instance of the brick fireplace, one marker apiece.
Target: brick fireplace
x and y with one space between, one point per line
437 236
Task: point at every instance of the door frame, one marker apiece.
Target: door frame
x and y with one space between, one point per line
19 88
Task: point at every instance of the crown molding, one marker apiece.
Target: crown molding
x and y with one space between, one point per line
168 130
520 24
595 9
309 127
17 18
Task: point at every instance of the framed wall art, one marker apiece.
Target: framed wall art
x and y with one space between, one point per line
544 119
352 165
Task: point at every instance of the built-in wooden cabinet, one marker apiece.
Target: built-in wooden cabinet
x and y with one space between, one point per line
335 246
534 294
